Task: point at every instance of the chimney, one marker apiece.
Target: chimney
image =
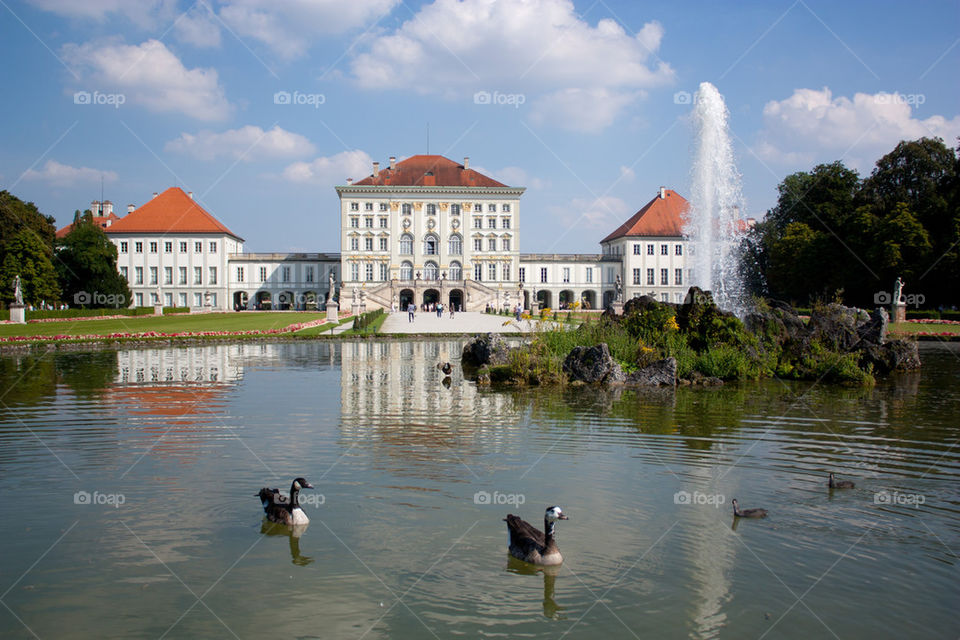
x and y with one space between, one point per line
349 180
107 208
393 162
663 193
154 194
376 169
130 208
190 194
95 207
466 162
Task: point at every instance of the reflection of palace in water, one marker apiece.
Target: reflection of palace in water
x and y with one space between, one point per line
207 364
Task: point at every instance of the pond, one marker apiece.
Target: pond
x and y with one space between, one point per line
129 479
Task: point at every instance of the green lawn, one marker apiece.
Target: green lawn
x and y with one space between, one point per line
230 321
917 327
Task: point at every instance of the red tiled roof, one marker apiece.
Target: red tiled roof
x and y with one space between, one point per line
103 221
422 171
659 217
173 211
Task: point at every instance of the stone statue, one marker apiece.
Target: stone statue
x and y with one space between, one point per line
333 287
17 290
619 286
356 295
898 291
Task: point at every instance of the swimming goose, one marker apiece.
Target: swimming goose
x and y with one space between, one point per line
529 544
839 484
285 510
445 368
748 513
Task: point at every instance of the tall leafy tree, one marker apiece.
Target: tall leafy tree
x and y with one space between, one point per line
87 264
26 255
16 216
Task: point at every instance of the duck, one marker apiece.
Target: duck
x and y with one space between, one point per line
284 510
840 484
529 544
747 513
445 368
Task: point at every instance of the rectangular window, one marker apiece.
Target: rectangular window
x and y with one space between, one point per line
431 209
154 298
308 274
505 223
198 275
213 247
491 207
383 223
285 274
213 299
168 247
664 250
368 244
123 247
383 206
182 273
454 209
543 274
139 298
383 244
522 272
505 270
123 272
492 244
636 276
478 208
383 271
368 223
478 270
478 223
183 249
182 299
354 271
406 208
263 274
477 244
678 250
354 206
678 276
138 247
355 244
368 206
240 274
506 244
368 271
492 272
491 223
168 275
138 275
153 247
589 274
650 279
636 249
354 223
566 274
664 275
168 299
505 208
213 275
649 249
198 247
198 299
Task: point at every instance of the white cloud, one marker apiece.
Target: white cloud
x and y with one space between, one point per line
144 13
150 75
63 175
627 174
571 73
812 125
198 27
605 213
331 170
289 27
248 143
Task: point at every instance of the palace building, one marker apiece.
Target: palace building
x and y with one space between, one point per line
422 230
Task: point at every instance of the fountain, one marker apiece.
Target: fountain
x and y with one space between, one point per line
714 224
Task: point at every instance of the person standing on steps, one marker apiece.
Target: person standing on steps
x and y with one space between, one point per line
411 311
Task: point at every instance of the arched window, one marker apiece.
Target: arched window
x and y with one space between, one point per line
456 245
456 272
430 271
406 270
406 244
430 245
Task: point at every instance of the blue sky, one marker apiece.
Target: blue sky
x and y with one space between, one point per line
588 100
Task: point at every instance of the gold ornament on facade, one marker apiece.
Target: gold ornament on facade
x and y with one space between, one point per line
394 206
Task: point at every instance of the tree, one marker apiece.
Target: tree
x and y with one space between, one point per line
87 265
27 256
16 216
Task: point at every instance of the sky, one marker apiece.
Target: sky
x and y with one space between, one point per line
261 107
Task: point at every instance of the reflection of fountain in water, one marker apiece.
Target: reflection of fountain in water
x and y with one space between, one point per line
715 204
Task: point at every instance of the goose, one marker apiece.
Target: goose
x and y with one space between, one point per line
445 368
529 544
748 513
284 510
839 484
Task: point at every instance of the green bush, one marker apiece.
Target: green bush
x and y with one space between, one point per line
921 314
